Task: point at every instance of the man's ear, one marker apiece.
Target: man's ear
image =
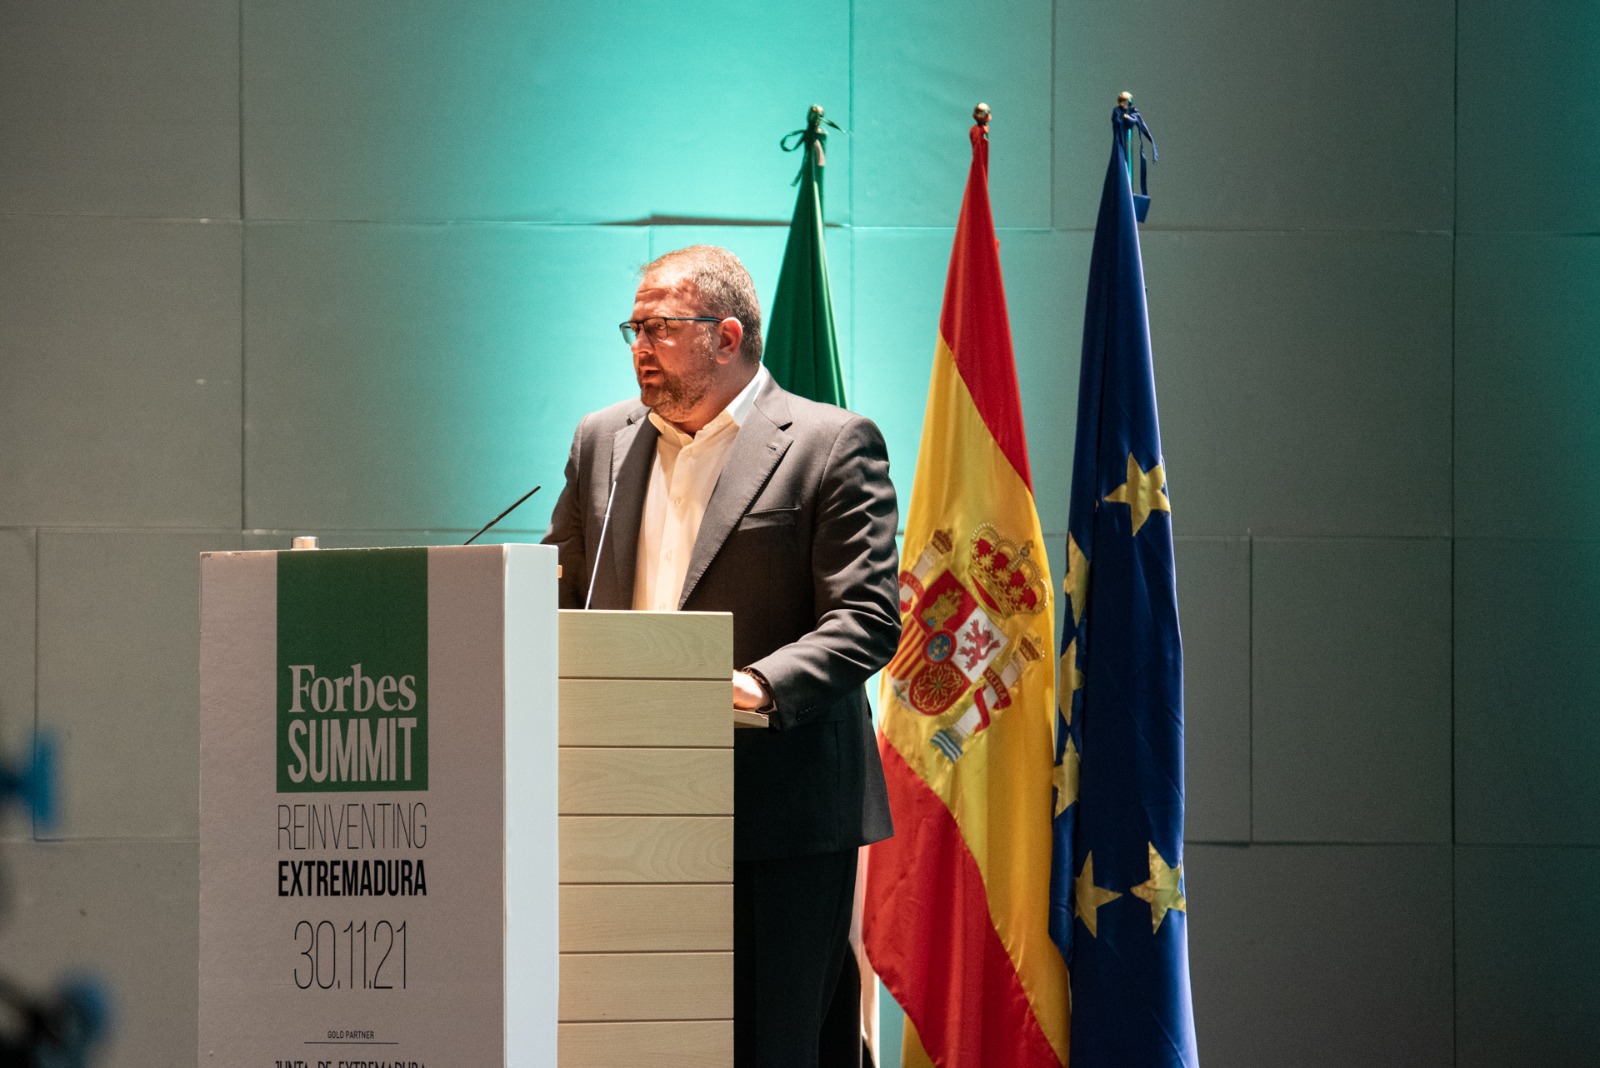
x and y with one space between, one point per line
730 336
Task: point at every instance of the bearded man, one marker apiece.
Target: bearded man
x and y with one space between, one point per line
731 494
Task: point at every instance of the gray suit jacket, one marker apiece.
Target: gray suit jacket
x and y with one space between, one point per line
798 543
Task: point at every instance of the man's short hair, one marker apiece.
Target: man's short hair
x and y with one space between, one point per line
724 286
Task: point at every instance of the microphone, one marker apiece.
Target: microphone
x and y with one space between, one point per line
605 525
502 515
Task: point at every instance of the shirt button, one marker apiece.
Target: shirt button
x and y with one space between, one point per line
667 555
678 501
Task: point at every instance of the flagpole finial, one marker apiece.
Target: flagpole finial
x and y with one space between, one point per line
814 117
1124 100
980 114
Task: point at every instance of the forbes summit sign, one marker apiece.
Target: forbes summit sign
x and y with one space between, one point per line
352 671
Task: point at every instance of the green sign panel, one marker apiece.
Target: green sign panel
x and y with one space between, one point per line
352 670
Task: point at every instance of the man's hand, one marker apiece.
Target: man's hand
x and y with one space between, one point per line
748 693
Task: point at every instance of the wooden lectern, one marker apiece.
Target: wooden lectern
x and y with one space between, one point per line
646 839
442 823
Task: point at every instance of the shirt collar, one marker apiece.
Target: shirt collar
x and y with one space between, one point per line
735 414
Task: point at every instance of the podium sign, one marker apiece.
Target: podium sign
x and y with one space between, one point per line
371 891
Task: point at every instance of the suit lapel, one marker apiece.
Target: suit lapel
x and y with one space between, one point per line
632 450
756 450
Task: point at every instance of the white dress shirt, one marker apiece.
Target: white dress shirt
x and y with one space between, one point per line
682 477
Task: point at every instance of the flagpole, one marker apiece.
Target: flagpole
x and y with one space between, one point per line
1125 101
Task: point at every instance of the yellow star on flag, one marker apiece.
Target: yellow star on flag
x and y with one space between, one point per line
1076 584
1087 897
1162 890
1143 493
1066 778
1071 677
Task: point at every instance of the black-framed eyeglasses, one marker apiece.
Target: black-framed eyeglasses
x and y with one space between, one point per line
655 328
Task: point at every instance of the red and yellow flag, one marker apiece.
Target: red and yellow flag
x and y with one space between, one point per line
957 902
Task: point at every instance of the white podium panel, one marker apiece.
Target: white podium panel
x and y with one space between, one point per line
379 808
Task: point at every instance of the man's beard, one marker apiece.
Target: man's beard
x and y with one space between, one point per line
677 395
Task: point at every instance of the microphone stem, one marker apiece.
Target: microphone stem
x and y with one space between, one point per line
605 525
502 515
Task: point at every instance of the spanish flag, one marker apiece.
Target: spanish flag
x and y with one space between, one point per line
957 902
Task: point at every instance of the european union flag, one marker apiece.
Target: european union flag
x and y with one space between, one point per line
1117 904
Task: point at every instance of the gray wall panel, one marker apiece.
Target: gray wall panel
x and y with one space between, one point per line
492 109
1268 115
1526 984
18 606
119 386
119 640
1046 275
1529 93
1527 624
1351 648
1527 385
1214 608
912 148
120 109
425 377
124 913
898 287
1320 955
1304 380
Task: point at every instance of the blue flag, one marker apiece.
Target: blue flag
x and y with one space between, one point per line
1117 905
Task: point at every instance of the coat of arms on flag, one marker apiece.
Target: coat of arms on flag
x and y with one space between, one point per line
964 662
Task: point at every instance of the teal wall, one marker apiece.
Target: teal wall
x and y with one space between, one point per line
352 269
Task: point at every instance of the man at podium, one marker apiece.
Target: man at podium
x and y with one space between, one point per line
727 493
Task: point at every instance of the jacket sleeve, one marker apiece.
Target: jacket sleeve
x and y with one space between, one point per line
567 532
855 583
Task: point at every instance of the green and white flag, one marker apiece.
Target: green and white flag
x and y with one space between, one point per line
802 351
